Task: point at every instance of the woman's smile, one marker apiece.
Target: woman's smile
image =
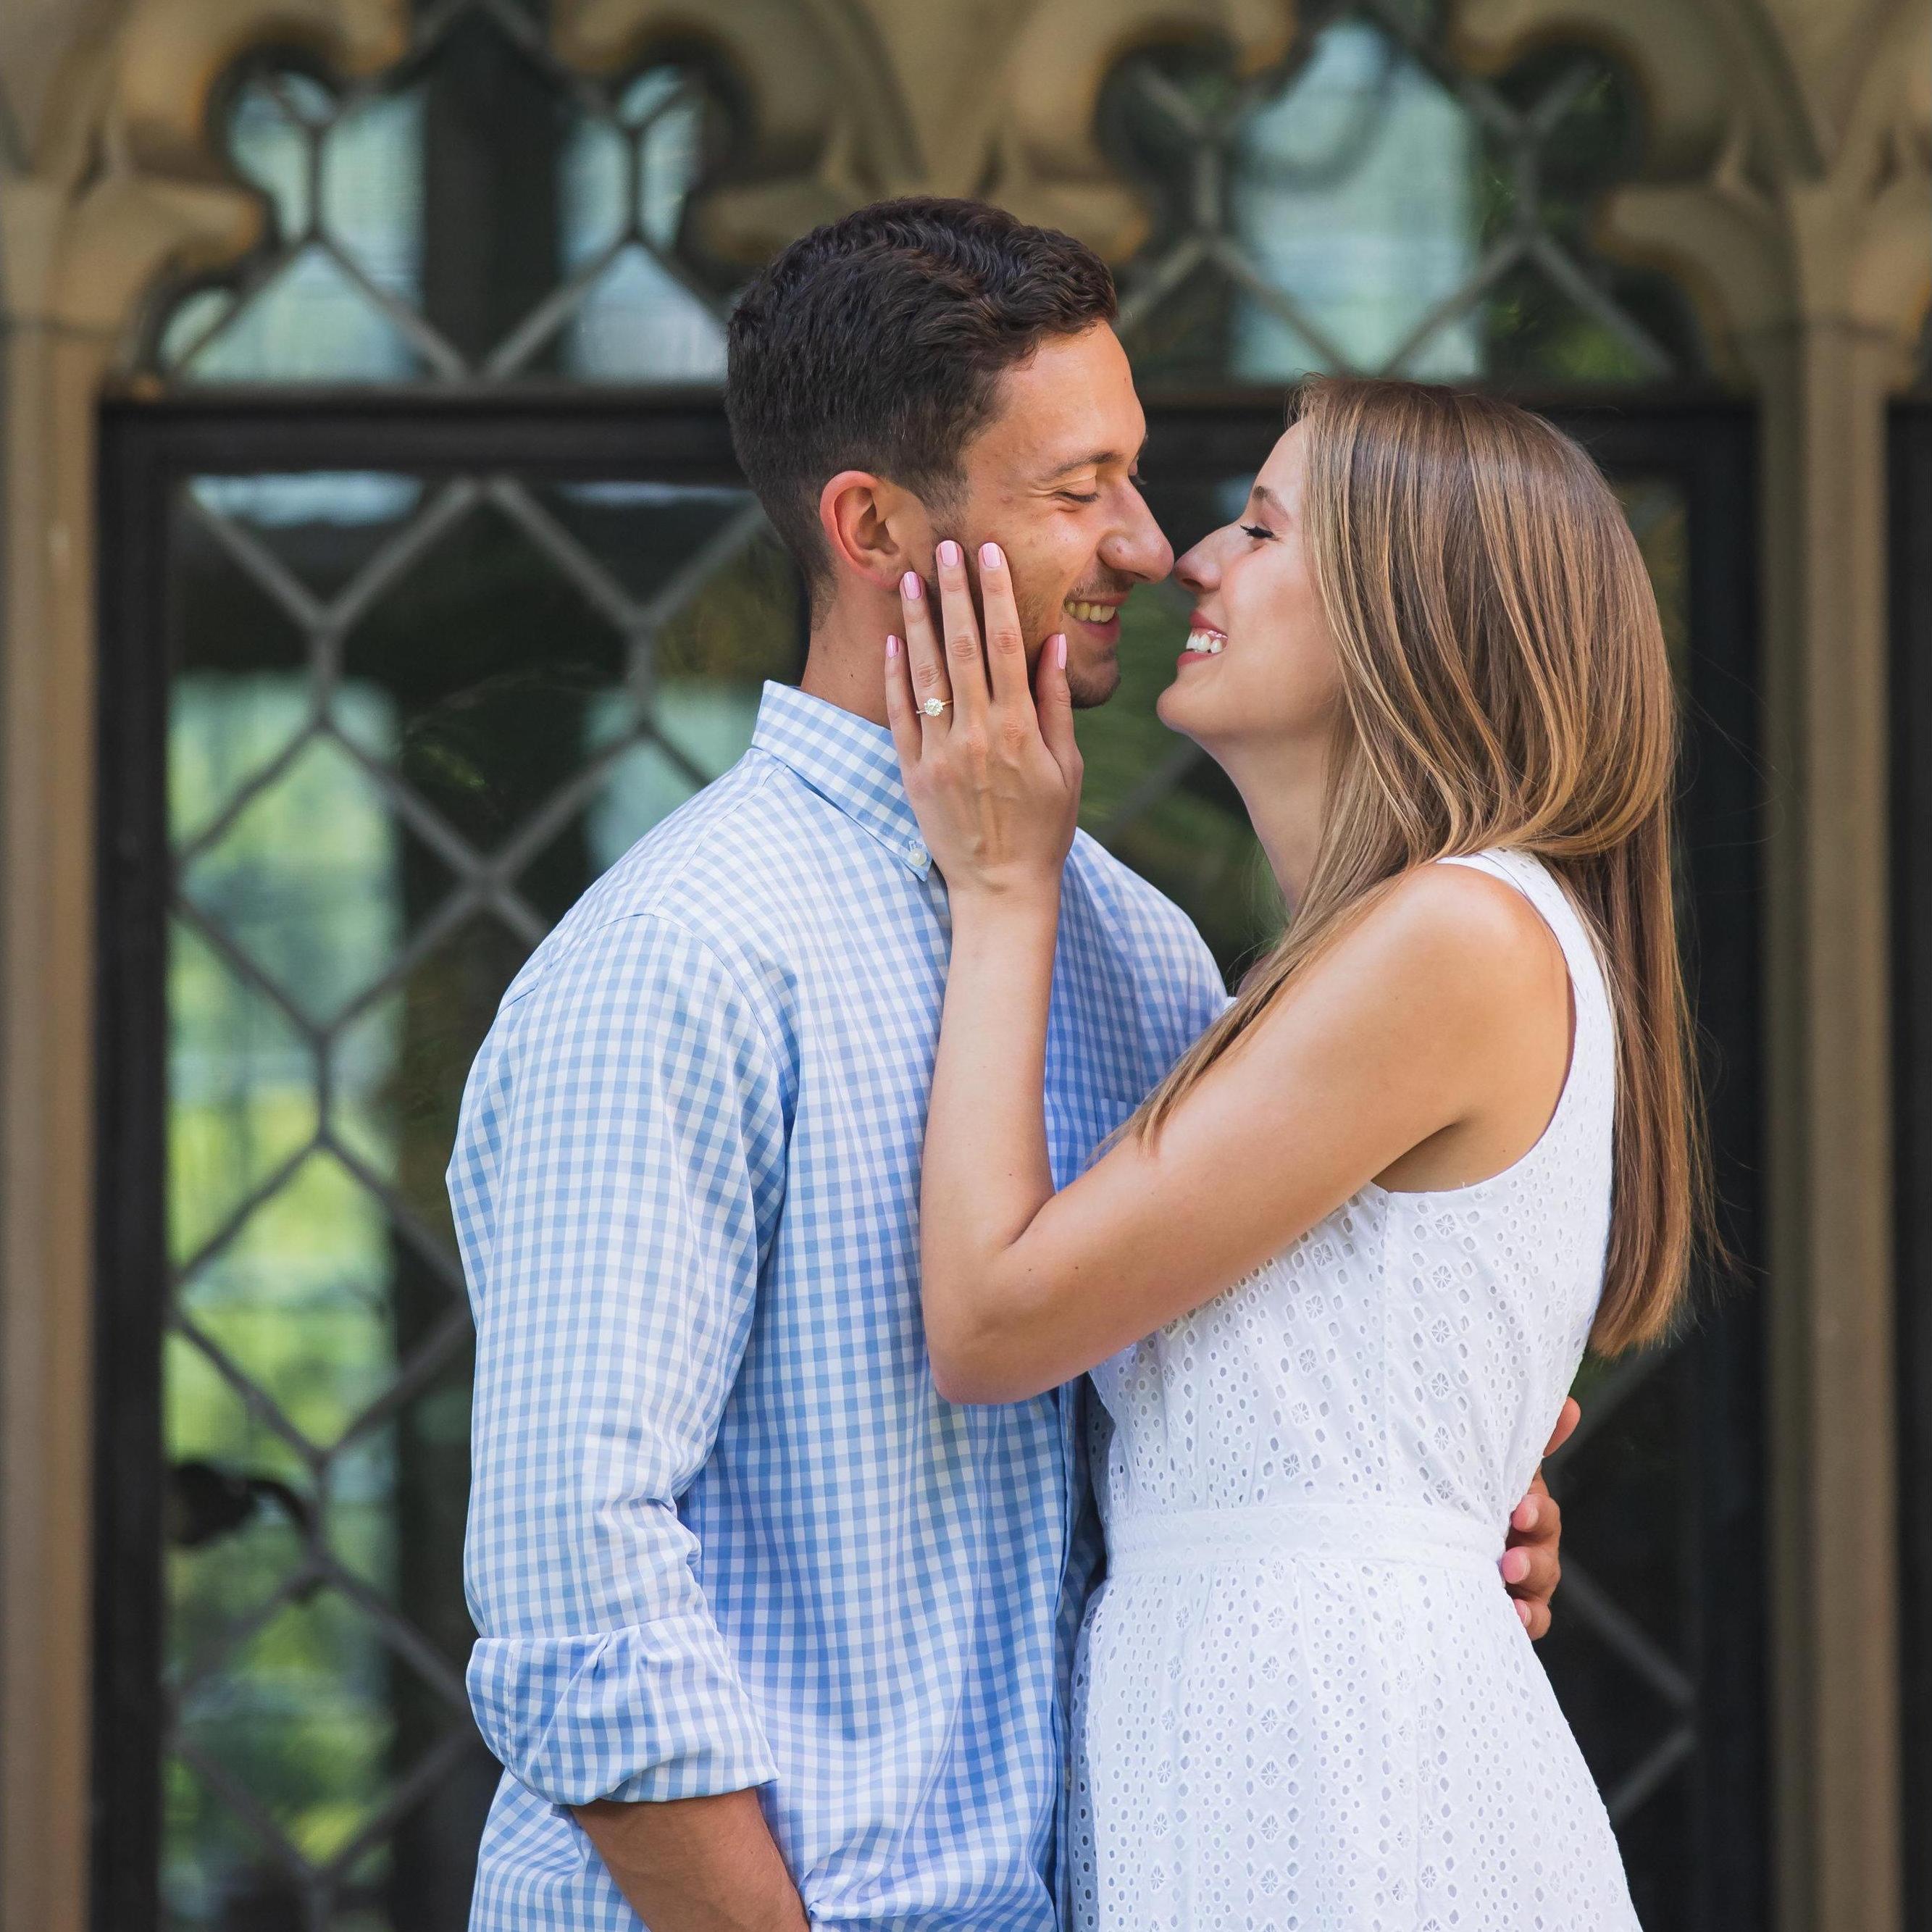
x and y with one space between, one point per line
1203 640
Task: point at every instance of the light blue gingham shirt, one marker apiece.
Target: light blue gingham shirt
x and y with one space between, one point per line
722 1531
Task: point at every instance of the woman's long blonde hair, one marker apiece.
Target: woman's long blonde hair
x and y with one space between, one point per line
1505 683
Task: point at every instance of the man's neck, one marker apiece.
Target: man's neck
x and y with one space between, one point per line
841 670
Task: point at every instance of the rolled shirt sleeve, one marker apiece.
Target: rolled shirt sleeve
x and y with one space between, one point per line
620 1166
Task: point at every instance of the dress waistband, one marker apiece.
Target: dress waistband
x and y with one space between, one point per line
1145 1541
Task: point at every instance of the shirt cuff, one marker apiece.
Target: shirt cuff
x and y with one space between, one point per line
653 1711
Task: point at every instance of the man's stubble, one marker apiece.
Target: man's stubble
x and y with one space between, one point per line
1089 688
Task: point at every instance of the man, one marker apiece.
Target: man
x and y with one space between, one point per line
772 1635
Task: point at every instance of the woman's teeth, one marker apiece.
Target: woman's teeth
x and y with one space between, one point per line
1209 644
1091 614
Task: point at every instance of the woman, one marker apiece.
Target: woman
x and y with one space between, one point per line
1334 1280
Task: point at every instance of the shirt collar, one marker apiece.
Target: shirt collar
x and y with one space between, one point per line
850 762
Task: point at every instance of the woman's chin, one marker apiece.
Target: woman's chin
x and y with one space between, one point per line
1174 709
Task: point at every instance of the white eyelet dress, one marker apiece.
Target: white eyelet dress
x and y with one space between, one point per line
1303 1698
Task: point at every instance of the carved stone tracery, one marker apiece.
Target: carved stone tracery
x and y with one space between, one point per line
1779 165
125 185
852 99
1788 161
844 101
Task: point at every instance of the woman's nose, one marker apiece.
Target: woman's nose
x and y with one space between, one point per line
1196 569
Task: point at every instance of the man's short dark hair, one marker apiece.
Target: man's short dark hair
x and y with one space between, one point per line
877 342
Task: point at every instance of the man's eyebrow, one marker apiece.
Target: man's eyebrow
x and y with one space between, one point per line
1099 460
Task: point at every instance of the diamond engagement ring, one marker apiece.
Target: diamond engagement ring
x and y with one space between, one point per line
934 706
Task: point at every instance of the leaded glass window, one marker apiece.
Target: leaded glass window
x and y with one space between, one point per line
1373 206
412 713
410 722
555 250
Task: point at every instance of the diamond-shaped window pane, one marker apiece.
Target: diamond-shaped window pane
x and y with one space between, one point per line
298 1301
400 1065
598 209
228 735
299 888
1353 195
638 323
323 529
364 1084
331 298
699 731
661 545
311 320
493 644
242 1100
412 1466
1538 325
240 1499
372 196
273 140
298 1733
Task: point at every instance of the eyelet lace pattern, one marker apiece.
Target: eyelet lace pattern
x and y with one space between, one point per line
1302 1698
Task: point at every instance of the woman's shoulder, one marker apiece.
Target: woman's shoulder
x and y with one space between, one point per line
1464 915
1448 946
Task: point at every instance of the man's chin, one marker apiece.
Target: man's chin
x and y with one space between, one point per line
1088 685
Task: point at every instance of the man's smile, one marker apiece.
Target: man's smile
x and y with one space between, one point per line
1099 614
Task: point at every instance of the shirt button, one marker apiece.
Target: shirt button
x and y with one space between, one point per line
916 852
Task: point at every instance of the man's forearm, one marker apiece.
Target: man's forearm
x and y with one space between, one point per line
696 1865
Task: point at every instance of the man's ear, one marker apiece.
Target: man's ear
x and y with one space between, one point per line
873 528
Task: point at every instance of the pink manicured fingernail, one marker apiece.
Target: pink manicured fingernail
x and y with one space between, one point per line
950 554
1060 648
910 588
1523 1611
1515 1566
990 558
892 645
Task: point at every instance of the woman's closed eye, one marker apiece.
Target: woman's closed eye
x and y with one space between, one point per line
1260 532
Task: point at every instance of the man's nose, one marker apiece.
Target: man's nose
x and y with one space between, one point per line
1138 548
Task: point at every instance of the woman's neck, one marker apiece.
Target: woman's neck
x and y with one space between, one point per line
1286 795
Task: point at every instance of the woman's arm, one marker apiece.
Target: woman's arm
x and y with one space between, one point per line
1377 1050
1409 1025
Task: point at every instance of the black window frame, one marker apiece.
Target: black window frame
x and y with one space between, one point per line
1909 568
147 445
